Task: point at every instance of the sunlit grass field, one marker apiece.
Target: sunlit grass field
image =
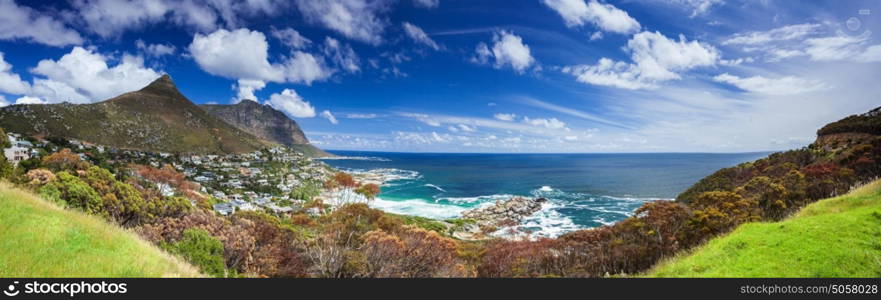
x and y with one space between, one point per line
40 239
835 237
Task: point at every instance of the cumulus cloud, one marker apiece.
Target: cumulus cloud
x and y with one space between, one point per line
244 54
508 50
342 55
360 20
505 117
418 35
155 50
655 57
429 4
605 16
305 68
247 87
788 85
23 23
85 76
329 116
291 38
241 53
289 102
30 100
10 82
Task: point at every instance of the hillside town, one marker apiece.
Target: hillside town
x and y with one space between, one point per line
277 180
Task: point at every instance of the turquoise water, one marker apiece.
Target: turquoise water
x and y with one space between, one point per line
584 190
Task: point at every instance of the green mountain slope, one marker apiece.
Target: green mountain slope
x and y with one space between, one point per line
156 118
39 239
835 237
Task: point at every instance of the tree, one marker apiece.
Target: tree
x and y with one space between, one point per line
369 190
345 180
64 160
305 191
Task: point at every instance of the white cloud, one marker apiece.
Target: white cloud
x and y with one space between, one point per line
306 68
329 116
655 57
784 33
84 76
551 123
10 82
788 85
110 18
155 50
505 117
3 101
342 55
292 104
429 4
244 55
30 100
418 35
609 73
240 53
361 116
835 48
467 128
698 7
291 38
605 16
424 118
570 111
658 57
24 23
508 50
247 87
356 19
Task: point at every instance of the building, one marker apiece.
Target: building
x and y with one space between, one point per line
20 149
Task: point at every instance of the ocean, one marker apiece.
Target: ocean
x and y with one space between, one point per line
584 190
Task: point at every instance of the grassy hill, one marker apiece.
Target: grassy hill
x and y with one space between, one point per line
156 118
835 237
40 239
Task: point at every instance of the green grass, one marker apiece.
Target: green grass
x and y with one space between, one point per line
40 239
835 237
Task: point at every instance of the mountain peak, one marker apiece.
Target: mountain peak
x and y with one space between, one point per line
161 84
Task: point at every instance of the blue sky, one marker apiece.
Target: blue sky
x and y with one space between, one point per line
471 76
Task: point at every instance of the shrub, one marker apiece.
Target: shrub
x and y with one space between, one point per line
200 249
410 252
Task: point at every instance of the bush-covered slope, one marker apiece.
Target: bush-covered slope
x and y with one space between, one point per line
836 237
40 239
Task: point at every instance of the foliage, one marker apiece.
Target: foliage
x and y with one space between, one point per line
410 252
306 191
369 190
64 160
201 250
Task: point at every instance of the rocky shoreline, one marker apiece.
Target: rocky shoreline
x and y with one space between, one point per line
501 214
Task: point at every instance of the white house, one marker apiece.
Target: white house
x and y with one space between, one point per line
19 151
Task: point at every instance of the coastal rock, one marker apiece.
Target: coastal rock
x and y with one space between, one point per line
504 213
